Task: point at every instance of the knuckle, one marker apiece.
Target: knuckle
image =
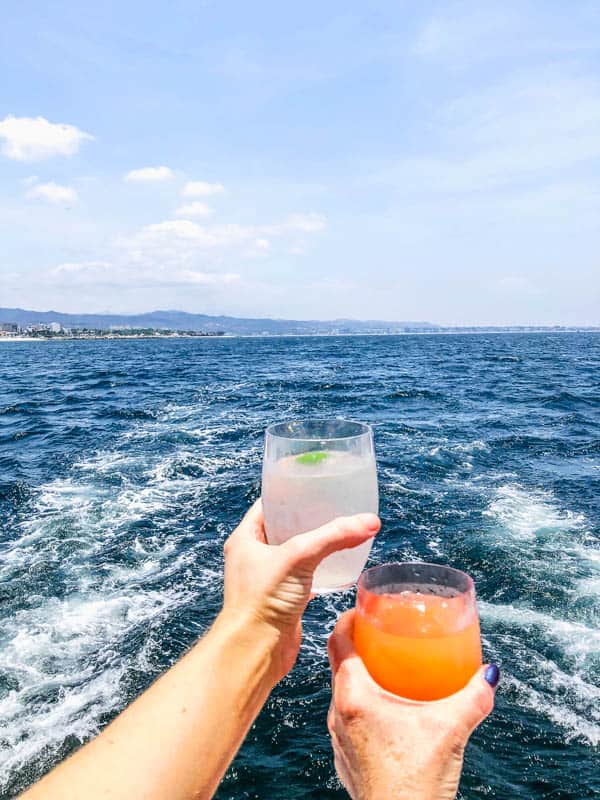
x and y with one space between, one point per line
337 526
346 524
295 550
348 706
345 676
331 720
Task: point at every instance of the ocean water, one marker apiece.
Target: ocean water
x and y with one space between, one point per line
124 465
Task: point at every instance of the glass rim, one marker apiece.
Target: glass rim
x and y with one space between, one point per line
463 576
364 429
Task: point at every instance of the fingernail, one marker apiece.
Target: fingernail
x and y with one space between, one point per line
492 675
370 521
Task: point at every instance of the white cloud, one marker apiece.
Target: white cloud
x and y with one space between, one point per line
202 189
195 209
53 193
34 139
173 231
120 274
181 239
181 255
76 271
150 174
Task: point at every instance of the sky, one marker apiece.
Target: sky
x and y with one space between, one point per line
370 160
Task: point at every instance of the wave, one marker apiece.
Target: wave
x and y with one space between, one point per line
575 726
414 394
571 699
526 513
573 637
59 659
62 658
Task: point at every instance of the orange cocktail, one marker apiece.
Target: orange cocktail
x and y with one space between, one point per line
416 628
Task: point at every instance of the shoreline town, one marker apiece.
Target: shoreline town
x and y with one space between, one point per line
47 331
55 331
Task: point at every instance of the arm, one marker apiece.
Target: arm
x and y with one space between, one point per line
388 748
178 738
176 741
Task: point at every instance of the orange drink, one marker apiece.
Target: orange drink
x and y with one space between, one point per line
416 628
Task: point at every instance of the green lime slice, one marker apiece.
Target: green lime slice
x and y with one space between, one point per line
312 457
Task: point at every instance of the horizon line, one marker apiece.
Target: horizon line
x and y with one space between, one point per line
305 320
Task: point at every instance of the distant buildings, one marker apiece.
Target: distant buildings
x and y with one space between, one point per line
55 330
36 329
51 330
44 328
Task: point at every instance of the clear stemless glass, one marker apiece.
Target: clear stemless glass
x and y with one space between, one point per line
416 628
313 471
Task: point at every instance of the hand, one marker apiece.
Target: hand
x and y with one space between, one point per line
270 585
386 747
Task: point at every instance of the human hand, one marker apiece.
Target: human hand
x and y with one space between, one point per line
387 747
270 585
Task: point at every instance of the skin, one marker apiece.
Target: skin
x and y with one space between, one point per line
176 740
389 748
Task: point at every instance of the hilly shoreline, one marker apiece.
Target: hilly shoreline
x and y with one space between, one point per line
181 321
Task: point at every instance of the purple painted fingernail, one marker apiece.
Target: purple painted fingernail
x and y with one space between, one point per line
492 675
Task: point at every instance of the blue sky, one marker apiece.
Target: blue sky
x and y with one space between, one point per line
390 160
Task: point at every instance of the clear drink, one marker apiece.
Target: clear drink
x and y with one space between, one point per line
314 471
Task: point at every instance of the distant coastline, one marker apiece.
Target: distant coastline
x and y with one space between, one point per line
23 323
441 332
100 336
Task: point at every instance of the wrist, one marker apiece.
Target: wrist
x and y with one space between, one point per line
253 638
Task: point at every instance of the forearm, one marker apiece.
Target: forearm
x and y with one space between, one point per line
176 741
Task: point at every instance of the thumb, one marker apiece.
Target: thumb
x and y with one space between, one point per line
252 526
341 651
473 703
311 548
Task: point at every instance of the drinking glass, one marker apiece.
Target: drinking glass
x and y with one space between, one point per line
416 628
313 471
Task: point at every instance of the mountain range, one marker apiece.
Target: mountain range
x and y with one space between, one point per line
255 326
183 321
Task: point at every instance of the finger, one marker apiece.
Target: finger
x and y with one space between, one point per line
473 703
346 665
252 525
339 534
340 644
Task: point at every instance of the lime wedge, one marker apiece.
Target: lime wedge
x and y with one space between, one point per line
312 457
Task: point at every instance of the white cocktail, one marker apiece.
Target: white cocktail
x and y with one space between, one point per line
314 471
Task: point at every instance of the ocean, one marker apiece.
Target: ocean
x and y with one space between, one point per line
125 464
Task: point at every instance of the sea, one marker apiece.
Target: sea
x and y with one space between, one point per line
124 465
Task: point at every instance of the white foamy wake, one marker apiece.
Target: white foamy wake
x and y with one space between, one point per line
574 638
550 538
524 513
63 658
572 722
556 542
